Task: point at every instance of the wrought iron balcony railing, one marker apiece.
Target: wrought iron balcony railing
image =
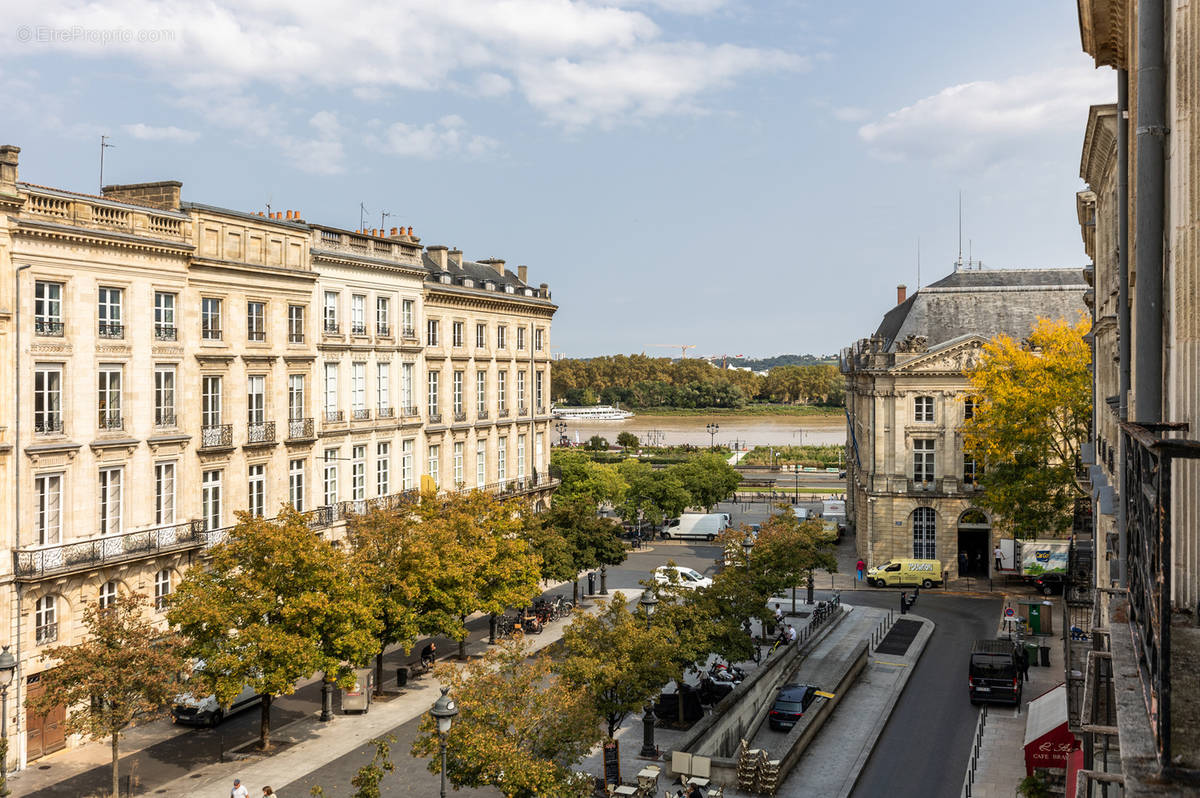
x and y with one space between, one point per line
522 410
361 414
216 436
331 327
164 419
47 423
164 332
210 332
300 428
460 417
49 327
79 555
512 487
110 329
385 412
410 334
358 328
435 417
1146 492
481 414
411 412
334 416
111 420
260 433
383 330
502 412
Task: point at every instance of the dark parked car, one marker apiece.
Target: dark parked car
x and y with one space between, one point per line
1049 584
994 672
790 705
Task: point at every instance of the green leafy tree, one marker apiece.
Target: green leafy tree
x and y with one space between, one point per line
627 440
597 443
652 495
125 669
616 659
707 478
277 604
1032 411
590 541
601 484
520 727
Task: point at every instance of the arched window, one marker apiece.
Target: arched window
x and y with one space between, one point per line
108 594
162 588
45 620
924 533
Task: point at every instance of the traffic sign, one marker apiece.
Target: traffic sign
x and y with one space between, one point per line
1009 612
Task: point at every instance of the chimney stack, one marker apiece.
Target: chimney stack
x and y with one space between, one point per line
523 273
456 257
164 195
495 263
8 167
439 255
901 294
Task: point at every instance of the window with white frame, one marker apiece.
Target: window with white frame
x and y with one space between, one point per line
431 332
408 317
111 500
521 389
210 400
108 594
295 324
481 392
406 385
358 473
538 339
923 460
969 405
47 308
162 589
164 396
539 442
330 312
256 321
433 394
210 319
537 390
256 489
480 336
47 398
164 316
296 483
970 470
456 334
331 391
383 469
501 390
48 495
407 478
164 493
295 397
210 499
109 397
520 457
458 464
45 620
924 533
383 389
520 338
331 476
501 336
923 408
502 458
433 463
108 312
256 400
358 387
383 316
358 314
480 463
457 385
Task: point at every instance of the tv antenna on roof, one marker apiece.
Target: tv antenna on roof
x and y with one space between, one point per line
104 145
960 264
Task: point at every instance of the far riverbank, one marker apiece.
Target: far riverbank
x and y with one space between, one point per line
734 430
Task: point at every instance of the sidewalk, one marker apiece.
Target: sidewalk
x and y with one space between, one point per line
1001 763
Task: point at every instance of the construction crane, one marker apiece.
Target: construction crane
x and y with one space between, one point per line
683 348
724 359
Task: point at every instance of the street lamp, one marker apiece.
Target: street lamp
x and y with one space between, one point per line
747 547
648 601
8 666
561 427
444 710
712 434
649 750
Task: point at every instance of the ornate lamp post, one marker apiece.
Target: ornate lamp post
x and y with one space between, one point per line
444 710
712 434
561 428
648 602
747 547
8 666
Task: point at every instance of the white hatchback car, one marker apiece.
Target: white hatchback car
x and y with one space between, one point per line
687 578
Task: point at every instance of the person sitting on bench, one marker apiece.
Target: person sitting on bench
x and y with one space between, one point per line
428 655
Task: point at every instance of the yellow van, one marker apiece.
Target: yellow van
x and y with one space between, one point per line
906 573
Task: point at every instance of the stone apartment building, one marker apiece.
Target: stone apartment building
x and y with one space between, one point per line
910 486
173 363
1133 695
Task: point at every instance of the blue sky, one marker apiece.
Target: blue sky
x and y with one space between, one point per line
748 177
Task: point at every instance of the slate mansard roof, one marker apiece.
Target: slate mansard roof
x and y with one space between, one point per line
985 302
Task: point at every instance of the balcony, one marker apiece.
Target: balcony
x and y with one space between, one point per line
522 411
331 327
164 419
47 424
924 485
410 334
435 417
385 412
358 328
502 412
507 488
410 412
260 433
216 436
164 332
541 409
481 414
460 417
392 501
383 330
360 414
31 565
334 416
300 429
48 327
111 421
109 329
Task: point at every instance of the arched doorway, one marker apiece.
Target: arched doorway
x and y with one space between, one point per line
974 539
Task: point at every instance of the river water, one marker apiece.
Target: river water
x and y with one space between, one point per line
743 431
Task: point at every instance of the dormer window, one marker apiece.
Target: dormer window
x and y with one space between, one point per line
528 292
444 278
488 285
508 289
468 282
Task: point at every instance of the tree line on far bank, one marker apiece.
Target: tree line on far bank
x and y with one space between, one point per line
640 382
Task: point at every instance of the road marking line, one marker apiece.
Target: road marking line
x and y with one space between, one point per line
897 664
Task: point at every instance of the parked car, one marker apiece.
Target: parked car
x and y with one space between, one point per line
687 578
790 705
1051 583
902 573
994 672
189 709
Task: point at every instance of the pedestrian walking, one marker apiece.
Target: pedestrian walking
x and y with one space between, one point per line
1023 660
962 563
778 615
239 790
268 791
999 555
860 566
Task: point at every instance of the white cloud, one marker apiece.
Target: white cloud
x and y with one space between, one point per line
322 154
850 113
980 124
576 62
152 133
446 137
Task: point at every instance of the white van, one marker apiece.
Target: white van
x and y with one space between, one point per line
686 578
188 709
702 526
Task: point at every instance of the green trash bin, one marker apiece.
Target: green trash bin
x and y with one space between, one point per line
1035 618
1031 650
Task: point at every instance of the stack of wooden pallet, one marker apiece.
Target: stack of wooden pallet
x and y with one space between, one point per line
768 776
748 765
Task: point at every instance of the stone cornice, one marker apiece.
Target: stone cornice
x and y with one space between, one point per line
450 296
1099 145
950 360
367 262
253 268
1102 31
81 235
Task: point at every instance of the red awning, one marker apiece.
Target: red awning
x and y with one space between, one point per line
1048 741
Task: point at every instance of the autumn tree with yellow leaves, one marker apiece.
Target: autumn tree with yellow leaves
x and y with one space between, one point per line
1032 408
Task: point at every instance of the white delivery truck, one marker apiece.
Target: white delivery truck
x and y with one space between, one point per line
696 526
835 510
